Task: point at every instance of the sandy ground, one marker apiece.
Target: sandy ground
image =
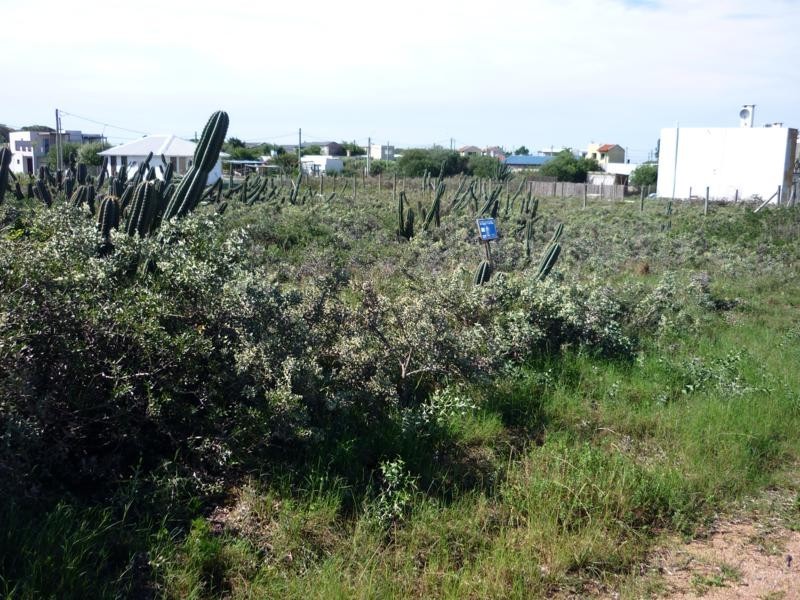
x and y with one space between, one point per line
744 558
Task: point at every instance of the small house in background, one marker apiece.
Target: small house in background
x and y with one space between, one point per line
469 151
176 151
495 152
330 148
613 173
519 162
319 164
606 153
381 152
29 148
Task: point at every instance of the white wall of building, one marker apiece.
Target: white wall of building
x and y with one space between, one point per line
182 163
381 152
28 150
744 160
315 164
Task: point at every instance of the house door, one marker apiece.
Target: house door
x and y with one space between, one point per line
28 165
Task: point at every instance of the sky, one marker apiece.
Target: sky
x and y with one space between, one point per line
538 73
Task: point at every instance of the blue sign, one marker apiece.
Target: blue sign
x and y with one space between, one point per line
487 229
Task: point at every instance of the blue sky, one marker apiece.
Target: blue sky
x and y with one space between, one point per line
540 73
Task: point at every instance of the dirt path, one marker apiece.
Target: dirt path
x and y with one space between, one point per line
754 556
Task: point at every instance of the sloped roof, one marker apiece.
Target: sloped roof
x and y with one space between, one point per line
607 147
168 145
469 149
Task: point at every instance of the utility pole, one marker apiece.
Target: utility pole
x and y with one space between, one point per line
58 141
369 153
299 143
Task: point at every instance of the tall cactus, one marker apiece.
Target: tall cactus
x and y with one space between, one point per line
80 173
5 170
434 214
42 191
84 195
548 261
143 209
108 216
483 273
103 171
187 194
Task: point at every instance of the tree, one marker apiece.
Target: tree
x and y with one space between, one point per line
243 153
287 160
268 149
4 131
234 143
353 149
38 128
313 149
646 174
522 151
483 166
69 153
89 154
416 162
565 166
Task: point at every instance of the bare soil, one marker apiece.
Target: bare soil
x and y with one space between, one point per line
755 555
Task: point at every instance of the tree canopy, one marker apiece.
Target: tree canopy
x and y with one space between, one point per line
565 166
89 154
522 151
646 174
416 162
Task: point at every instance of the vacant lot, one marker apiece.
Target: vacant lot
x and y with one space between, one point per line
293 397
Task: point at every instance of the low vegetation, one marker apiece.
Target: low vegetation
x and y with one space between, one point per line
296 395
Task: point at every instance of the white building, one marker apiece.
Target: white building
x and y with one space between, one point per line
29 148
318 164
177 151
381 152
742 162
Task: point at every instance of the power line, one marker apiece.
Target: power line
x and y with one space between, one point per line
63 112
270 137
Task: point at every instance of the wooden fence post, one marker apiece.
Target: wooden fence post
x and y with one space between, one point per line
585 193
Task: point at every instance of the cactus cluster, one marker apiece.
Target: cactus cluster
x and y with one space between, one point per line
405 218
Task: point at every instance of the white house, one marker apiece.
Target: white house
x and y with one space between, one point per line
381 152
177 151
29 148
737 162
319 164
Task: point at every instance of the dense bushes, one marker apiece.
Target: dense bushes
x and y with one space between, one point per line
178 343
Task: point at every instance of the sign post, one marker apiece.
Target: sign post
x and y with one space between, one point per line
488 232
